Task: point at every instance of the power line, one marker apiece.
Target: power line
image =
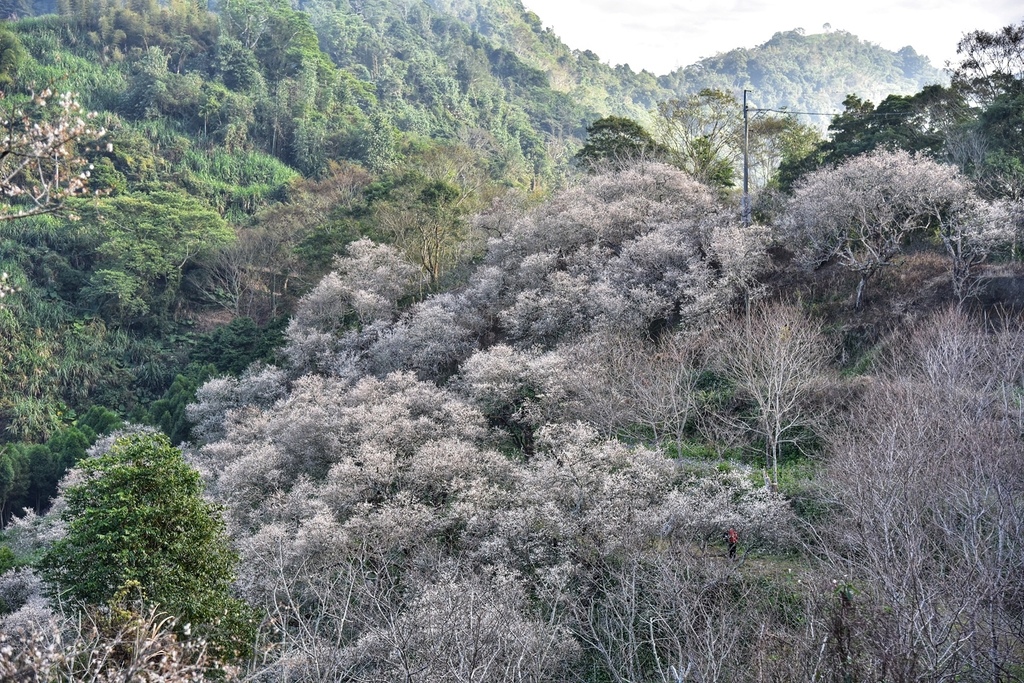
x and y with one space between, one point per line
837 113
787 111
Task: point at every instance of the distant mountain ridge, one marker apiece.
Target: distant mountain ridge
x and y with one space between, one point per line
810 72
791 70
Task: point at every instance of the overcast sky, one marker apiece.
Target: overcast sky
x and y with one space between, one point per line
661 35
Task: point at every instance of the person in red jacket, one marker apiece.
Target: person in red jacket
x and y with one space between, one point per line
732 537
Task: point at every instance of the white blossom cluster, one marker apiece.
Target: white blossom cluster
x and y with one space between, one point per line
383 522
379 524
623 252
863 211
40 166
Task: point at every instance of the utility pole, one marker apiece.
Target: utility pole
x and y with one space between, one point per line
746 163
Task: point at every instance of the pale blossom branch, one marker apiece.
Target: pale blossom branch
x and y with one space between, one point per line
41 165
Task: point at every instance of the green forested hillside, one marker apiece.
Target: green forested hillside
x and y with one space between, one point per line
614 90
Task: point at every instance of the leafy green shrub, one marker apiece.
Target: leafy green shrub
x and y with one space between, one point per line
137 517
168 413
237 345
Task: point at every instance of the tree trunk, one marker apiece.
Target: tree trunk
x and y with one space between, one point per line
860 291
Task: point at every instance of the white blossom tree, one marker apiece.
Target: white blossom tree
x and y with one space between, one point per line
638 251
518 390
41 165
970 235
862 212
365 285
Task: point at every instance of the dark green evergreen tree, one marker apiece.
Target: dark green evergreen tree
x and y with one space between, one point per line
617 141
137 518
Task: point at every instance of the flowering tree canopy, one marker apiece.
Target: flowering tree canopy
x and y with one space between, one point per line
40 163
